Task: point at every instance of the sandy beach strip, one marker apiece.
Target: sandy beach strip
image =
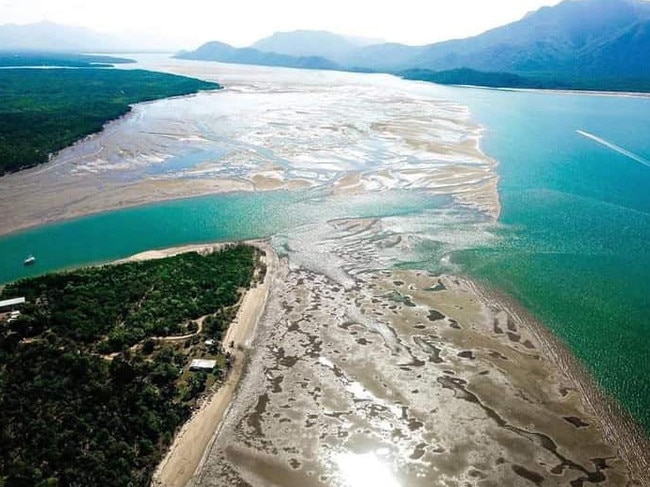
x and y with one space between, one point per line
185 454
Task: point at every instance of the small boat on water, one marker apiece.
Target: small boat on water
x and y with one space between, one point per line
29 260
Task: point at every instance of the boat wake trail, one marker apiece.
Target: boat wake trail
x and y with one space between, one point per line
615 147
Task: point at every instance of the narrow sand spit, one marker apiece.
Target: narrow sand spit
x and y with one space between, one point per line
188 448
172 251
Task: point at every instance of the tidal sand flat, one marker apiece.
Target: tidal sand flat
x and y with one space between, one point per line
372 363
270 129
404 378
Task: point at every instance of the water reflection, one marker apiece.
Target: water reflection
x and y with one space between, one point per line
362 470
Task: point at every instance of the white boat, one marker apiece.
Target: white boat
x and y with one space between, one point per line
29 260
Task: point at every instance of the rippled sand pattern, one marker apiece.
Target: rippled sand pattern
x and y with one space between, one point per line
401 378
269 129
360 374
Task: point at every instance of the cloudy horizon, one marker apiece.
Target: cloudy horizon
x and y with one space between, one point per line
247 21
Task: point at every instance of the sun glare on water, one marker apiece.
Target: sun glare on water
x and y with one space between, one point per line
364 470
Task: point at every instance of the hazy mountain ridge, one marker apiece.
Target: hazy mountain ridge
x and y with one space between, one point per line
586 44
48 35
53 37
577 43
628 52
222 52
566 38
301 43
562 39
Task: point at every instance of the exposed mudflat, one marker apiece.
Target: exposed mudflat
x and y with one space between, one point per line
269 129
402 378
360 374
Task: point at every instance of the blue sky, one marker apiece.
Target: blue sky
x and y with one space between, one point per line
241 22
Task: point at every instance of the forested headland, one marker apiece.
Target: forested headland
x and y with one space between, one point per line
68 60
92 389
45 110
539 81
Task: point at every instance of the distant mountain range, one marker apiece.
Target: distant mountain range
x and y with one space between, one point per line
582 44
306 43
579 44
47 35
574 37
52 37
219 51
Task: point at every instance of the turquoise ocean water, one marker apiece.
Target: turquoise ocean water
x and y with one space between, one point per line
116 234
573 233
575 225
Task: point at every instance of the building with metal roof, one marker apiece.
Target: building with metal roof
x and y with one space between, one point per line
8 303
202 364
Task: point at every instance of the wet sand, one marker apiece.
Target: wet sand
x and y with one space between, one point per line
269 129
357 375
618 426
421 379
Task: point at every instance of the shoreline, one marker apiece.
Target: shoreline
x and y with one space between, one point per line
314 353
620 428
92 176
9 231
613 94
186 452
195 441
245 368
556 91
108 120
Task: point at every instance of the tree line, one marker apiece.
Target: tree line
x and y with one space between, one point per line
46 110
70 415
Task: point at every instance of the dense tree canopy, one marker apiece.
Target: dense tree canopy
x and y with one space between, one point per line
45 110
70 60
73 415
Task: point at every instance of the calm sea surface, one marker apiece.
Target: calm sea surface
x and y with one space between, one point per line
571 243
575 225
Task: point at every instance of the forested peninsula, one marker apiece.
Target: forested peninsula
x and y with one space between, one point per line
94 373
17 59
45 110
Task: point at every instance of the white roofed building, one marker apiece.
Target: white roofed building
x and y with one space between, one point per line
10 303
202 364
